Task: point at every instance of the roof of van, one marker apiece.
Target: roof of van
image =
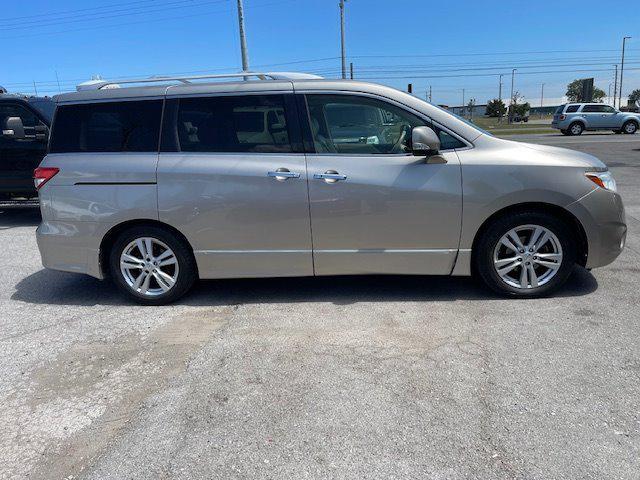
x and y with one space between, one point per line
294 85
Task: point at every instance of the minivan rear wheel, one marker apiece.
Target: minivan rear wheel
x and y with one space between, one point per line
575 128
527 254
151 265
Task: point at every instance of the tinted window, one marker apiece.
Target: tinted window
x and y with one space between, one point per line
559 110
360 125
252 123
572 108
593 109
107 127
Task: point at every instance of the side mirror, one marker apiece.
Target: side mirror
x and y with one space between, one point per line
424 142
13 128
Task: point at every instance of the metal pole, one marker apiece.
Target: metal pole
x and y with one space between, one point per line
609 94
615 87
624 41
58 80
541 99
429 93
500 95
513 74
463 109
344 60
243 38
351 70
35 88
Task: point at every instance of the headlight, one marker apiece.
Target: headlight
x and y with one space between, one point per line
603 180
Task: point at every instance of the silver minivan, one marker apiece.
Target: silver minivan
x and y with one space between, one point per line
287 175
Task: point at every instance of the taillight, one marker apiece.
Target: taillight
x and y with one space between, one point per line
562 117
42 175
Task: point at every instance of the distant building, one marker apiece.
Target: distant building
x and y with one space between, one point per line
546 110
479 110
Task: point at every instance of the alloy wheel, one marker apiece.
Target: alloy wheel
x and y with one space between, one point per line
527 256
149 267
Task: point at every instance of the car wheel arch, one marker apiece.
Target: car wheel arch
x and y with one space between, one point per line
543 207
110 237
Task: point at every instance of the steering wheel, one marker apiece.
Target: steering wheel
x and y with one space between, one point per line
398 147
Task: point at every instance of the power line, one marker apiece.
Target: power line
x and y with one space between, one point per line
115 14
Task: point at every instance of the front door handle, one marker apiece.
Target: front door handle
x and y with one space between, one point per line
330 176
283 174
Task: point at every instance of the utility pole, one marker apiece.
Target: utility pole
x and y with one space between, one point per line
243 38
429 93
500 95
351 70
541 99
342 46
624 41
615 87
35 89
511 107
463 107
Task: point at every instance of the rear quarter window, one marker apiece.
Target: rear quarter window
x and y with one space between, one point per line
107 127
572 108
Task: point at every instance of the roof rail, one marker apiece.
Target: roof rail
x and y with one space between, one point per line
100 84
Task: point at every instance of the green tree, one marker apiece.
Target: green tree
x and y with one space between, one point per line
574 92
496 108
518 106
634 96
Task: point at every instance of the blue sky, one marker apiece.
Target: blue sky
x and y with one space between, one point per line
450 45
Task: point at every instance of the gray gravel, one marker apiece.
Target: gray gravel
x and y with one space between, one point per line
381 377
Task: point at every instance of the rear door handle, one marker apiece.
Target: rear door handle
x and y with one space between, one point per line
330 176
283 174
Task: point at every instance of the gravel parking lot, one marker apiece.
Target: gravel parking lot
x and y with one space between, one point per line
383 377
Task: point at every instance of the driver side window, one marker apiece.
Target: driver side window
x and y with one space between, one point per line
347 124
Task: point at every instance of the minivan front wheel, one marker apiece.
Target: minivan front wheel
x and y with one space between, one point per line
527 254
151 265
630 127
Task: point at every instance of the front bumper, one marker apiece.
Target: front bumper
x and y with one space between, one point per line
602 215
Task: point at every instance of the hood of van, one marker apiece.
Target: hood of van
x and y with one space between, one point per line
562 156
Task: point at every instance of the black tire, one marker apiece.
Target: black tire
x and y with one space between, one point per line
187 271
576 128
630 127
483 261
617 132
564 132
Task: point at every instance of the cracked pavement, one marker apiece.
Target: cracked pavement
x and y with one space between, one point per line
348 377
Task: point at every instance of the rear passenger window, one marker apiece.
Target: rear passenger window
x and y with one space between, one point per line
252 123
572 108
593 109
107 127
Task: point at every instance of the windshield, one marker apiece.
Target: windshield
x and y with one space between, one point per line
45 106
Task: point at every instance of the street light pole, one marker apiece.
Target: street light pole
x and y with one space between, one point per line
541 99
243 38
615 87
342 46
463 107
513 74
624 41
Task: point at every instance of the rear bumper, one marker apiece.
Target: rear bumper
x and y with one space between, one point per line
602 215
69 247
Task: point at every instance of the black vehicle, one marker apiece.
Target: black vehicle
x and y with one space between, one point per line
24 123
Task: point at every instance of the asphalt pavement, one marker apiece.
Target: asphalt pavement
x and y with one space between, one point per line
346 378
